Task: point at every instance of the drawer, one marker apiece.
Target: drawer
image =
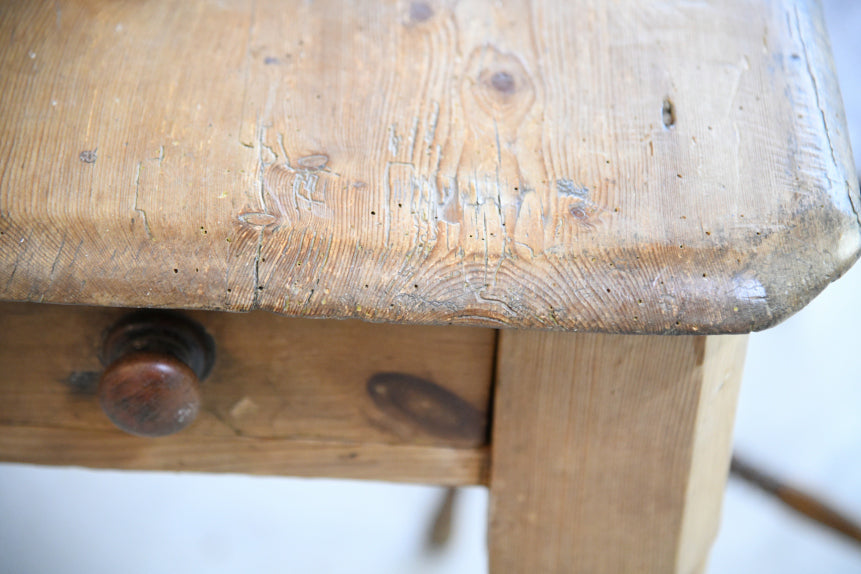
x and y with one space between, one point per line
286 396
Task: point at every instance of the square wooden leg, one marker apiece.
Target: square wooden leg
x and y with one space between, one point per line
610 452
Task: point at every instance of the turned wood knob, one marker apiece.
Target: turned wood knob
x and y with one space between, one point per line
155 362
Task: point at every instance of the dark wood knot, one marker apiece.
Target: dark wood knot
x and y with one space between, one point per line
503 82
420 12
427 406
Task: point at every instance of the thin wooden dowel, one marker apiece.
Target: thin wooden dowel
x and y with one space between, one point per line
798 500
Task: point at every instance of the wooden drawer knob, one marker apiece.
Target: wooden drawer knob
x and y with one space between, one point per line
155 362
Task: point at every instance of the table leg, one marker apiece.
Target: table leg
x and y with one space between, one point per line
610 452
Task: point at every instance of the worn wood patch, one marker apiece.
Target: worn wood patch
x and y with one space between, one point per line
657 166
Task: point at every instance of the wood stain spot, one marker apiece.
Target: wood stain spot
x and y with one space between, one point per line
427 406
84 382
420 12
88 156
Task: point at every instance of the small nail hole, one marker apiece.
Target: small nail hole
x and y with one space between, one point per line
669 113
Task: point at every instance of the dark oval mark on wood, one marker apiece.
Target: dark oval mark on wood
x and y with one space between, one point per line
427 406
578 212
503 94
503 82
420 12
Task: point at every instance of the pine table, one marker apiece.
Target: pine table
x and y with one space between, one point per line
554 221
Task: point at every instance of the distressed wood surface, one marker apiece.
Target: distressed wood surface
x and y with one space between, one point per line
324 398
658 166
610 453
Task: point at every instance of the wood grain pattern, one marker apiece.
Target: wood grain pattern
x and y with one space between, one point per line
195 453
280 387
659 166
610 453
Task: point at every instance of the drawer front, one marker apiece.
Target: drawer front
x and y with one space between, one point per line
286 396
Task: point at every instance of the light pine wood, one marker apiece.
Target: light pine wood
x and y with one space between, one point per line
281 388
710 441
610 453
189 451
629 166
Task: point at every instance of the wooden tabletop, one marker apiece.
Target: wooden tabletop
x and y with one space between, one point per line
630 166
